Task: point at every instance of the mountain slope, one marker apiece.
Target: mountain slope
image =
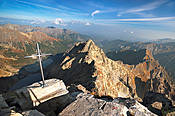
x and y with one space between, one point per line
17 41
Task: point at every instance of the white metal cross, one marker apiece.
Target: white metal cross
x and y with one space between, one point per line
39 55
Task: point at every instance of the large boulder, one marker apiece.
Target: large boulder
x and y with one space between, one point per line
88 105
55 105
35 94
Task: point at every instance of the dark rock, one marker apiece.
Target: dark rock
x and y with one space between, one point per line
32 113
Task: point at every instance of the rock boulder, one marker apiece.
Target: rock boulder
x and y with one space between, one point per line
87 104
35 94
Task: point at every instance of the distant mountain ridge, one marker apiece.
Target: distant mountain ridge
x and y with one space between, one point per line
165 40
16 41
163 50
54 32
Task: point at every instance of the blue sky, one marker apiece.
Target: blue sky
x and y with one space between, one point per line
141 16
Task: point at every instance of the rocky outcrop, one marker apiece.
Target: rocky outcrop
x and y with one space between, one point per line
49 100
54 106
149 75
87 104
87 65
35 94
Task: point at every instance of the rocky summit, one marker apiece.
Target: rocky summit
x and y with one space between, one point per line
87 65
125 83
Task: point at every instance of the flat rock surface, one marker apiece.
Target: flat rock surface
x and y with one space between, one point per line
35 94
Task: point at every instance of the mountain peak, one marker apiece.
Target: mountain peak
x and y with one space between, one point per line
86 64
84 46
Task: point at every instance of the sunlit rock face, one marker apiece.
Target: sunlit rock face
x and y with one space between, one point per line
86 64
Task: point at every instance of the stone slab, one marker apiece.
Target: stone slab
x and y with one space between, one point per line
35 94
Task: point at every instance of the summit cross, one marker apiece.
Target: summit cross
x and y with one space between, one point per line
39 55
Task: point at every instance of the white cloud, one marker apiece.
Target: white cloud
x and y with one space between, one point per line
131 32
95 12
87 24
145 14
59 21
139 20
149 19
103 11
38 5
146 7
60 9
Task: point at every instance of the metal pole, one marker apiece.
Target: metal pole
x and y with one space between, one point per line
40 63
42 74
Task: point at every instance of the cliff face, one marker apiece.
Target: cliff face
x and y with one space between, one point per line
162 50
86 64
